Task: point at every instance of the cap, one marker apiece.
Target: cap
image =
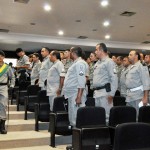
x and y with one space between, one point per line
2 53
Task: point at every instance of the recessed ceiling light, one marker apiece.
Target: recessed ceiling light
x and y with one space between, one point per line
104 3
106 23
94 30
107 36
47 7
60 32
32 23
131 26
78 20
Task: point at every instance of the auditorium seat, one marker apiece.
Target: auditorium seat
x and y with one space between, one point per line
42 109
132 136
21 93
144 114
91 131
59 122
119 115
31 99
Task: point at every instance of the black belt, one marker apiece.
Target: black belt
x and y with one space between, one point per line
3 83
99 88
107 86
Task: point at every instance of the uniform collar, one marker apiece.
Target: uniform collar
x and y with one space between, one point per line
104 58
79 58
56 61
136 64
46 57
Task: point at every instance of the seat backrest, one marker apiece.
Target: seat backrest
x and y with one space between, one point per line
90 117
33 89
23 85
59 104
144 114
90 101
42 97
122 114
132 136
119 101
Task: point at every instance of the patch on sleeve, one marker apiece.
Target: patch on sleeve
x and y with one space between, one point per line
81 73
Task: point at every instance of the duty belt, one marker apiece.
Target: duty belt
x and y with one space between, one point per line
3 84
136 89
99 88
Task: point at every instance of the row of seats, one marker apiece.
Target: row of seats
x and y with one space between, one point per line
91 131
101 137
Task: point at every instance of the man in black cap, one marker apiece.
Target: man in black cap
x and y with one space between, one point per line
5 73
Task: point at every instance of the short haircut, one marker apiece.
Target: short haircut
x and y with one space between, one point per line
2 53
93 53
77 50
120 57
18 50
67 50
103 47
30 56
138 54
36 54
47 49
57 54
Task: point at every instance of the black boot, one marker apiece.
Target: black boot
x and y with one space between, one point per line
2 128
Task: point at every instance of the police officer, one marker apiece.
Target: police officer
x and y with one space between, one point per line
93 60
147 62
53 79
5 73
22 65
67 61
125 70
119 69
45 66
35 68
137 82
105 81
74 84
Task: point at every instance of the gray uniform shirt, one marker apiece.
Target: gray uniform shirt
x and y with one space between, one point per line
4 78
23 61
75 78
67 64
35 72
137 75
123 81
104 72
91 70
45 66
53 79
119 70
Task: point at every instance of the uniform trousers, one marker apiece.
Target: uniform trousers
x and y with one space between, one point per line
3 107
72 108
51 101
135 104
103 102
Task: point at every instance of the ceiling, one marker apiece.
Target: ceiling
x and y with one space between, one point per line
126 32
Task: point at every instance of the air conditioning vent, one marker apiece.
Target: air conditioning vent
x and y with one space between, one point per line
22 1
127 13
146 42
4 30
82 37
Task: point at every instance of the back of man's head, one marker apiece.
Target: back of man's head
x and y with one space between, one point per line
18 50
